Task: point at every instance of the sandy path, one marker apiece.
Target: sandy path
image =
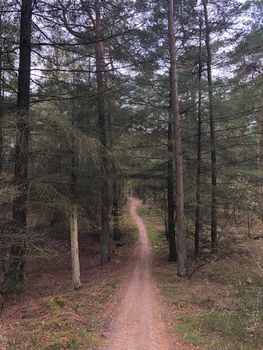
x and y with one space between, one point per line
137 324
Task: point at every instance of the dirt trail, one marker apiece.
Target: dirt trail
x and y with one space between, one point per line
138 324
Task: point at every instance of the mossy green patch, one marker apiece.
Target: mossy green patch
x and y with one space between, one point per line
190 334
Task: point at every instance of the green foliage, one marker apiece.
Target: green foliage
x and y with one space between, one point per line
242 193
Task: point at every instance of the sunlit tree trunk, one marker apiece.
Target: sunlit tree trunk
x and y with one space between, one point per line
74 240
180 228
75 266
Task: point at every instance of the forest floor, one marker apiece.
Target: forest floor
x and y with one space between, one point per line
221 305
48 314
137 301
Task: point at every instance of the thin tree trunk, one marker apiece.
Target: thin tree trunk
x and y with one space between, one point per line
15 273
115 210
180 229
112 106
100 66
198 209
214 243
75 266
170 197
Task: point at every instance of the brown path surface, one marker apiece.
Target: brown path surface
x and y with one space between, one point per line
138 323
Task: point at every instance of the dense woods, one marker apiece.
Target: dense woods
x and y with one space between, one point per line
102 100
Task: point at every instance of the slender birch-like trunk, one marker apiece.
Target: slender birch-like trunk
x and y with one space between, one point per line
75 266
73 221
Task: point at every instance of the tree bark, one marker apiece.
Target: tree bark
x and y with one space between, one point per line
214 243
170 197
17 252
115 208
180 229
75 266
198 209
100 67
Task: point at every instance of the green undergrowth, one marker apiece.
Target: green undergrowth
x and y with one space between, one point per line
129 229
150 213
152 216
69 321
221 306
158 239
220 330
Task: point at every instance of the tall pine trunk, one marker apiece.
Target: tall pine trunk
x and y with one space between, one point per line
170 197
214 243
102 120
15 273
115 183
180 228
198 208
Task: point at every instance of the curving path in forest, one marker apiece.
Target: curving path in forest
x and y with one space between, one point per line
138 323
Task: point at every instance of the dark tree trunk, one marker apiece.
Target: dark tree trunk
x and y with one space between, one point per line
180 229
198 209
102 120
17 253
115 209
1 100
116 185
170 197
214 243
